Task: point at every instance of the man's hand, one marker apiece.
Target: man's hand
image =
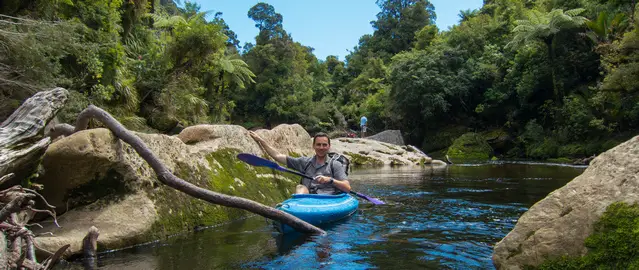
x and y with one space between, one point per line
256 137
269 150
322 179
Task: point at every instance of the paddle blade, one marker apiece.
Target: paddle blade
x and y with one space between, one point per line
257 161
370 199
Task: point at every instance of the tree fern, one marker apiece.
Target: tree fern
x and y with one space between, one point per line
545 27
162 21
540 26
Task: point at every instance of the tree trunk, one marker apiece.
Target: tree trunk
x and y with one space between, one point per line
556 86
632 12
22 140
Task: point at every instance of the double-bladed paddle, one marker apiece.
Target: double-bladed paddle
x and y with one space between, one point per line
258 161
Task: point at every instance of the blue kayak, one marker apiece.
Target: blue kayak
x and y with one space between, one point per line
317 209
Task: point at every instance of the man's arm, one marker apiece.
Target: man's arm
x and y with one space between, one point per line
340 180
343 185
281 158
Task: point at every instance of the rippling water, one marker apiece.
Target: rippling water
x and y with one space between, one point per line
434 219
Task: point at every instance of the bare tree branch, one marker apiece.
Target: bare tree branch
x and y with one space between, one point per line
14 206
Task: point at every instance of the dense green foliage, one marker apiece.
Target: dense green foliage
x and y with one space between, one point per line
614 244
558 76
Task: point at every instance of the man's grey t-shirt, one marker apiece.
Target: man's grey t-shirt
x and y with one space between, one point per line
309 166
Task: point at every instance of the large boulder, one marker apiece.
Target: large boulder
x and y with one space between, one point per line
498 139
104 182
470 147
372 152
289 139
388 136
559 224
94 179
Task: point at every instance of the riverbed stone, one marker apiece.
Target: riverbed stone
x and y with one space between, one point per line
559 224
94 179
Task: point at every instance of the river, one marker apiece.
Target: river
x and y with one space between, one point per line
434 219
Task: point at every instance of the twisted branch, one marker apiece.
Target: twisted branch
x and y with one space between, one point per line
14 233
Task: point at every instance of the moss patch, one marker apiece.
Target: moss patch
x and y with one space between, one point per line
422 161
179 212
614 243
357 159
469 147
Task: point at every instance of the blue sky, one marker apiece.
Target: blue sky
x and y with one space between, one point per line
331 27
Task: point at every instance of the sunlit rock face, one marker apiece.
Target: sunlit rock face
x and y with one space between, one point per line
559 224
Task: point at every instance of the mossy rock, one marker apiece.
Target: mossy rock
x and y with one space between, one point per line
179 212
498 139
470 147
357 159
612 244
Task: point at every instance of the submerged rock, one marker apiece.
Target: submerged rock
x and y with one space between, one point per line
559 224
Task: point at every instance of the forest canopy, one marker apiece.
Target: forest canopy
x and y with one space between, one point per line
557 77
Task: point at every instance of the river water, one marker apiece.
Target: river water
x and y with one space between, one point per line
434 219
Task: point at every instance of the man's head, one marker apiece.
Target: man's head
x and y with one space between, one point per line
321 144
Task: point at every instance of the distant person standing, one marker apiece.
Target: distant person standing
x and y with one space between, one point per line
362 125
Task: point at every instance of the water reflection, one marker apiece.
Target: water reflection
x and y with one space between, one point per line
435 218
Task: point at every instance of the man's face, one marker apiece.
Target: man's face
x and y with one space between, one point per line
321 146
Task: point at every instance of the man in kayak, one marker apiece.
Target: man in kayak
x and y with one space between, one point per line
329 175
